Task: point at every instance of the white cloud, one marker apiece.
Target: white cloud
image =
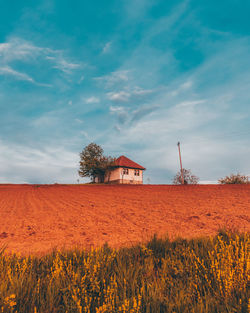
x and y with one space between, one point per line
117 128
121 96
187 85
208 182
106 47
4 47
17 49
121 113
137 8
184 87
141 92
113 78
81 79
18 75
143 111
78 120
127 115
92 99
85 134
24 164
116 109
66 66
128 95
46 120
189 104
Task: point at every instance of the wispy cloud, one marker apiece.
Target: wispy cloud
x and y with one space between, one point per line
18 49
8 71
128 94
107 47
81 79
113 78
18 75
79 121
128 116
183 87
120 96
66 66
121 113
137 8
143 111
25 164
141 92
25 52
92 99
189 104
85 134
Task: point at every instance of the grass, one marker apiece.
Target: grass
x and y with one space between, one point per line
199 275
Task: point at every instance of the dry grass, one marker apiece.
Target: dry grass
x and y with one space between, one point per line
198 275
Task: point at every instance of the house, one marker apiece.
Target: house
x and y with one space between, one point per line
125 171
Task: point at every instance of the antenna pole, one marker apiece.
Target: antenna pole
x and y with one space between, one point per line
182 178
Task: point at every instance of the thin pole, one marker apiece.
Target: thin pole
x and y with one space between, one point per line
182 178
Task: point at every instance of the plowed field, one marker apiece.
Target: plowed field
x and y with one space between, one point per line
37 218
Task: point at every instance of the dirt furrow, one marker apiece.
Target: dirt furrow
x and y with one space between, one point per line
36 218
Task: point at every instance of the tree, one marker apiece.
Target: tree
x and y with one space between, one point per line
93 163
189 178
234 179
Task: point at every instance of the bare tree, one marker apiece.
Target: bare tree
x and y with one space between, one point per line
189 178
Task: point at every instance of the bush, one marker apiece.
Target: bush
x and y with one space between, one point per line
189 178
234 179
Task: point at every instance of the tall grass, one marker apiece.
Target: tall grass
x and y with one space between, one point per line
199 275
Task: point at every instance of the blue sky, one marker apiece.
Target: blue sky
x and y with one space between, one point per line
134 76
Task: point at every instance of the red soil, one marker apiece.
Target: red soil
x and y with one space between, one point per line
35 219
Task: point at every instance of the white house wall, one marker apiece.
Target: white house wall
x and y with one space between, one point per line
117 175
114 175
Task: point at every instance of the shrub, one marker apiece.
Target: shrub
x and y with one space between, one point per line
234 179
189 178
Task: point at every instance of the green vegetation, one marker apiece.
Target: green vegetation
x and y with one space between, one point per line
234 179
199 275
93 163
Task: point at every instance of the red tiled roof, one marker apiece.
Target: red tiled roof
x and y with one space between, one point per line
123 161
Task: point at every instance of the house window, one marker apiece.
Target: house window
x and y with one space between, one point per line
137 172
125 171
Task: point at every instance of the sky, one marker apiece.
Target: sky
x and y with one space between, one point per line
133 76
